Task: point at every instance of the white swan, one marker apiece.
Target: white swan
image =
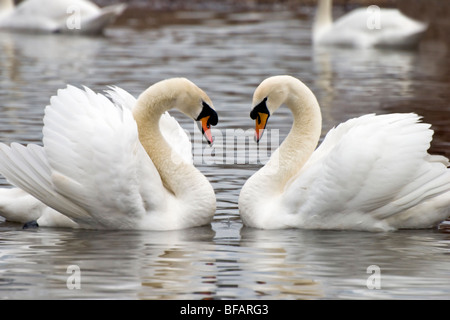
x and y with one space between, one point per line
370 173
366 28
61 16
105 165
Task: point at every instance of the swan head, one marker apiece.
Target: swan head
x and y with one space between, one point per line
184 95
207 118
268 97
195 103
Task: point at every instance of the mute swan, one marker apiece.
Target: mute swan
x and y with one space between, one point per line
370 173
366 28
61 16
125 164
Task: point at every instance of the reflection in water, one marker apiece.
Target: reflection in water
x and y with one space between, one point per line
362 86
227 55
193 264
384 81
337 262
32 69
45 56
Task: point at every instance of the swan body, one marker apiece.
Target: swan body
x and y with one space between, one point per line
371 173
62 16
112 164
366 28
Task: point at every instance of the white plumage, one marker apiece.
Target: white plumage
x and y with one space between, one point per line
61 16
370 173
366 28
95 173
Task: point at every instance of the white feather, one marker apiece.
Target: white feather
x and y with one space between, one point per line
171 130
92 169
375 165
62 16
370 173
366 28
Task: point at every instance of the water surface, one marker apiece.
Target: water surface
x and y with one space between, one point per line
227 55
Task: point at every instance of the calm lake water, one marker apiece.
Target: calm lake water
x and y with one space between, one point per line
228 55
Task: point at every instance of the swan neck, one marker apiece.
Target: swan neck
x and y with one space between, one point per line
323 19
177 175
302 139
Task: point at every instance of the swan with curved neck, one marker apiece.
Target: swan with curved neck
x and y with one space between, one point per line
181 94
370 173
366 28
113 164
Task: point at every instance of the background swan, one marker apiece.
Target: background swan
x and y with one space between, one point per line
61 16
366 27
370 173
108 165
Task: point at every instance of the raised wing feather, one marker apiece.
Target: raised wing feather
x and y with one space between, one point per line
171 130
373 164
92 167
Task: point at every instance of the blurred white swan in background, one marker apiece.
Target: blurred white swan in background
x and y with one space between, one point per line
371 173
57 16
366 28
120 164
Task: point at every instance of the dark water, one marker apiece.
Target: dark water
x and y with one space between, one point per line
227 55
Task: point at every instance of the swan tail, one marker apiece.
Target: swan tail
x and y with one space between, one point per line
26 167
427 214
17 205
108 14
114 9
425 202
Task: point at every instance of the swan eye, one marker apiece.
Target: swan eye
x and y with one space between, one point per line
258 109
207 111
206 119
261 114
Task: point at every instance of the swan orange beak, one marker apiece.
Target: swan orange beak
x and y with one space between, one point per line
206 119
206 129
260 114
260 124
